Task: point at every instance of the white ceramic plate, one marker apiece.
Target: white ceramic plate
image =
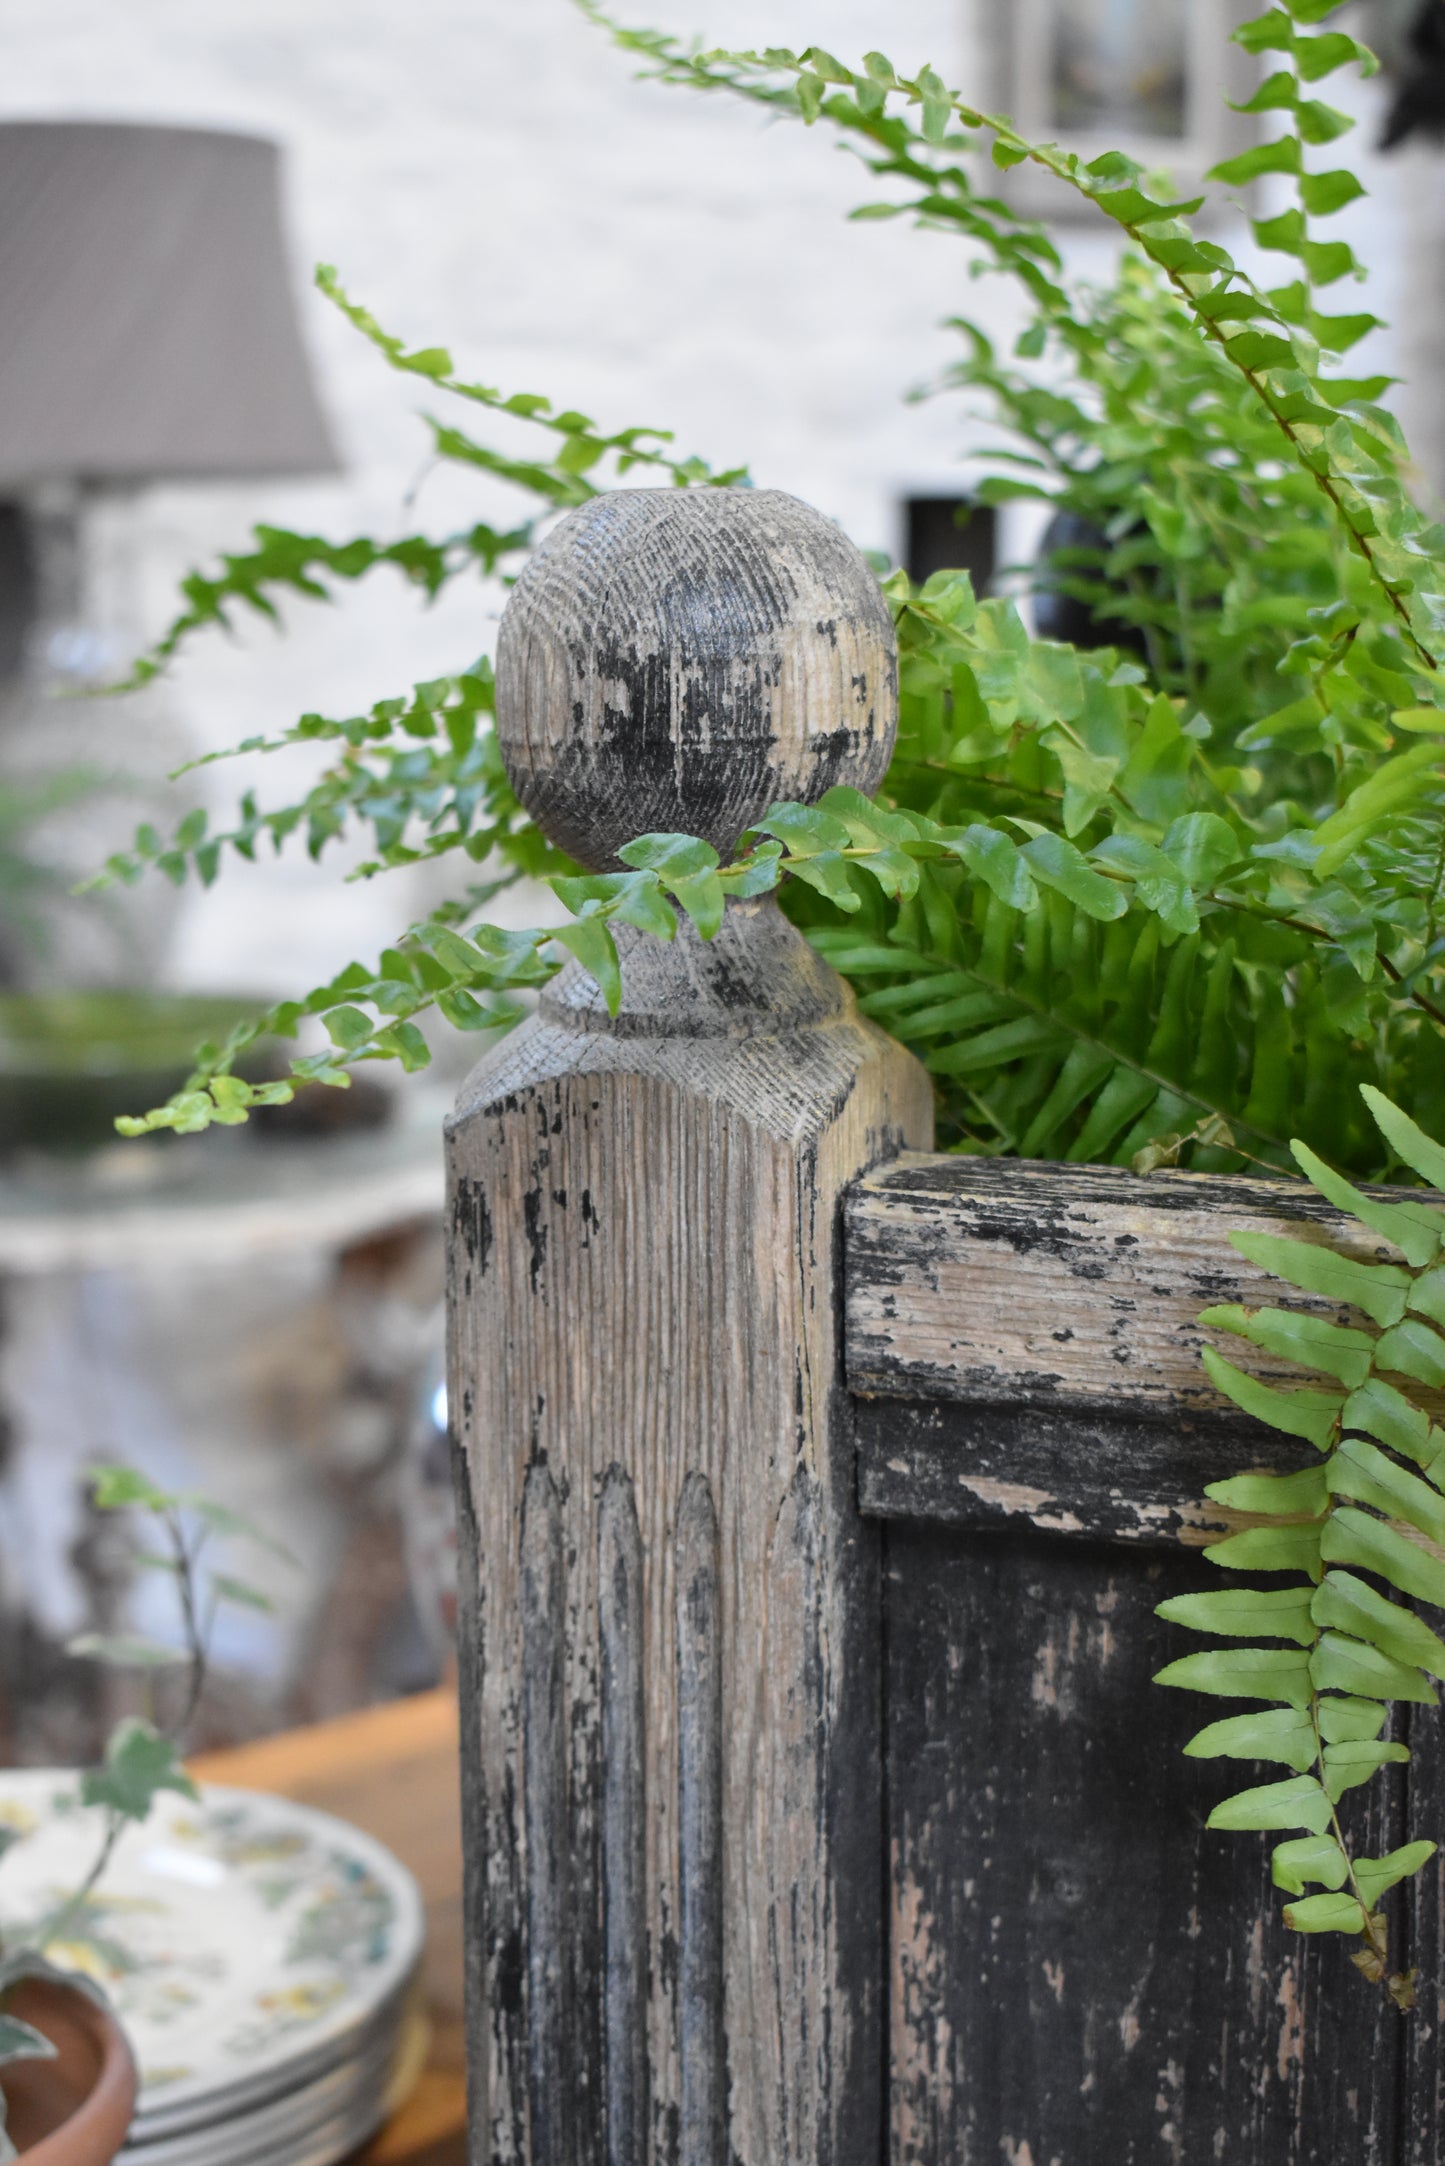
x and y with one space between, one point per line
342 2107
245 1942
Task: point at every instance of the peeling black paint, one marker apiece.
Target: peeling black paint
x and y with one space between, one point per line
536 1233
472 1223
1087 1477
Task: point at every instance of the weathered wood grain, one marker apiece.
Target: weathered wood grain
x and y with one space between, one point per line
622 1690
550 2036
701 2049
656 1293
645 1303
677 661
1000 1282
1082 1974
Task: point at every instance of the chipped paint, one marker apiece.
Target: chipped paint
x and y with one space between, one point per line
1292 2026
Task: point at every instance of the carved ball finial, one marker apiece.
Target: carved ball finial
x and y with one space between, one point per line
676 660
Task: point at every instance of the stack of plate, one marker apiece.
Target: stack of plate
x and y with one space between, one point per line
262 1957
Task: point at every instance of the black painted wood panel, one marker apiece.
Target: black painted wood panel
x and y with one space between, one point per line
1423 1905
1089 1477
1081 1974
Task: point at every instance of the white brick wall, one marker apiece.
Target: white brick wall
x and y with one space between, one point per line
486 173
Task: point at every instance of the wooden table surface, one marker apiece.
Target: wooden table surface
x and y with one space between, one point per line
393 1771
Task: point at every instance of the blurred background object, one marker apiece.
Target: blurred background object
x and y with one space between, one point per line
1410 37
148 335
251 1321
1150 77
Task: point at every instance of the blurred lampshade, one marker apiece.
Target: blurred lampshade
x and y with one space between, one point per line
147 329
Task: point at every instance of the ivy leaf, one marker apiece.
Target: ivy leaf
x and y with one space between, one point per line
22 2042
1159 885
688 869
139 1765
1325 193
758 874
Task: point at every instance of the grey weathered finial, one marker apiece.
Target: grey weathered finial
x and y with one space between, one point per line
677 660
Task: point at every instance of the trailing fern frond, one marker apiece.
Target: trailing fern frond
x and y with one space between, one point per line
1352 1647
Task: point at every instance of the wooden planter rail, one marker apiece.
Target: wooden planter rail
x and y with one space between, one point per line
816 1494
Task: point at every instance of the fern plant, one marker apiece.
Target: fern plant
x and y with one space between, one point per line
1340 1650
1130 910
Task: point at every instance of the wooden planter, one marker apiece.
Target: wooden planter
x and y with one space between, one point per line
816 1497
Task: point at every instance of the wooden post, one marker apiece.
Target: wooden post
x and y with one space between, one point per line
670 1607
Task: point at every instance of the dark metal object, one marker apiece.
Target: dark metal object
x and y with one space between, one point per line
1419 102
1060 615
950 533
19 588
148 325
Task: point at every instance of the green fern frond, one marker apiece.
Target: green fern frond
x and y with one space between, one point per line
1352 1646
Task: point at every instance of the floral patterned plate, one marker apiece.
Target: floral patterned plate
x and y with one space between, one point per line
324 2119
247 1944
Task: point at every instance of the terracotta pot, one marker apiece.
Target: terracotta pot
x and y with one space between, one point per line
74 2110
